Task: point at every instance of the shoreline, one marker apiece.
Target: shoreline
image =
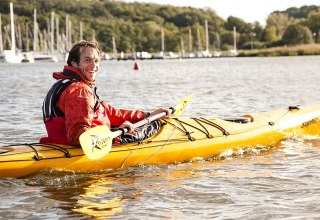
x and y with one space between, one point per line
299 50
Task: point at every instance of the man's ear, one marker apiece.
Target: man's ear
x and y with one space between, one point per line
74 64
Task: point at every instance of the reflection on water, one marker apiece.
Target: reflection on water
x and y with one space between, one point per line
102 195
280 183
90 202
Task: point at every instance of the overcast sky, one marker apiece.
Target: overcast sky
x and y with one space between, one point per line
248 10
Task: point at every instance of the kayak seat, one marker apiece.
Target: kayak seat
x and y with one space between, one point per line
141 133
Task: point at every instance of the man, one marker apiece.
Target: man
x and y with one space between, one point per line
72 105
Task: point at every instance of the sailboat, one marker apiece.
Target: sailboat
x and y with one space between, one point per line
11 56
233 53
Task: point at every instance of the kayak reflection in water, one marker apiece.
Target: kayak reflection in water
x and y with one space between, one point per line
72 105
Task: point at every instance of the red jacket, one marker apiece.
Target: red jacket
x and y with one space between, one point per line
82 111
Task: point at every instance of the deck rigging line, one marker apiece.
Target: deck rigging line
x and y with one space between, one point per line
55 147
36 156
224 132
202 129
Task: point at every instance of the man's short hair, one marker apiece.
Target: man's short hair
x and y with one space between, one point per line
74 54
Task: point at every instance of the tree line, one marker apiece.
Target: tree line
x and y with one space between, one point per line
138 26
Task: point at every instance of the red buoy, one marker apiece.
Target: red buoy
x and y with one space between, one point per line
136 66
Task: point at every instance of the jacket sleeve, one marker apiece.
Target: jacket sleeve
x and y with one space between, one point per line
78 109
118 116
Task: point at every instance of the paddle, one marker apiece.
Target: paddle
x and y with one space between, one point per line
96 142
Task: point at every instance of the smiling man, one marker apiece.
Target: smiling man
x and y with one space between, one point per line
72 105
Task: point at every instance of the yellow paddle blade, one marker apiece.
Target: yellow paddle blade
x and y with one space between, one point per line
96 142
182 104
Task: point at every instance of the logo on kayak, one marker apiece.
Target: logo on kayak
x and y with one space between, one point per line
99 143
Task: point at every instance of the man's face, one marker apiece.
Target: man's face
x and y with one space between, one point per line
88 63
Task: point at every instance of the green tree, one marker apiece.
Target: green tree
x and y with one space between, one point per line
301 12
297 34
257 29
313 23
241 25
270 34
280 21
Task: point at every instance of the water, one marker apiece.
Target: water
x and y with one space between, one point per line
282 183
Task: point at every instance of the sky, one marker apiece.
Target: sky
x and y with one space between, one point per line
248 10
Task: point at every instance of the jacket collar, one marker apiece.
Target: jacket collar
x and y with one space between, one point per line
70 72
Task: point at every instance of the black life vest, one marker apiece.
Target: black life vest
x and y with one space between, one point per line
49 106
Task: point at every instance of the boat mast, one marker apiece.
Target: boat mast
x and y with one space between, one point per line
19 37
218 42
1 41
52 33
70 33
93 35
67 33
114 48
13 39
162 40
199 42
58 35
235 38
207 36
182 47
81 31
35 31
47 37
190 41
27 37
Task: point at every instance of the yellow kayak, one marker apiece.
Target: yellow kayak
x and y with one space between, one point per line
179 140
